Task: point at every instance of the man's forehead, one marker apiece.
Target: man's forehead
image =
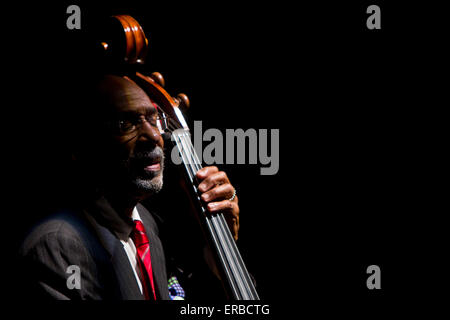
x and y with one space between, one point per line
132 101
122 94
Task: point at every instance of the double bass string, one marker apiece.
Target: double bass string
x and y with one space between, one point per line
182 147
221 231
229 239
216 220
229 256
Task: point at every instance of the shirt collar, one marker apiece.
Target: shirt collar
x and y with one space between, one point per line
135 215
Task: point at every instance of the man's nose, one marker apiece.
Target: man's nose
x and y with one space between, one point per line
149 133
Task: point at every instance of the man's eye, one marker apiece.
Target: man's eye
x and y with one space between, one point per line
126 126
153 120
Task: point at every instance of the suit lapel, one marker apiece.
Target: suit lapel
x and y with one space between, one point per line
127 285
125 276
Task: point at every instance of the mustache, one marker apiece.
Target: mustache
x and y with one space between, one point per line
148 156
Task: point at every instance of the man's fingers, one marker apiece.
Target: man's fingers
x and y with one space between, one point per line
206 171
216 190
225 206
219 192
212 180
230 211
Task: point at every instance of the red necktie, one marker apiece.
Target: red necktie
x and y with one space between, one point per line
141 242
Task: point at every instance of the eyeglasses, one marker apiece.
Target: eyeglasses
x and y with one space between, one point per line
131 124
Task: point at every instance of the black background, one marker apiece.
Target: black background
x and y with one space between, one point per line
349 103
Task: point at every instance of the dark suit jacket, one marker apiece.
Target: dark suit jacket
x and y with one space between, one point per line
88 238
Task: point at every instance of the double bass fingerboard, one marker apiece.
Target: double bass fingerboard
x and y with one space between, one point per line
221 239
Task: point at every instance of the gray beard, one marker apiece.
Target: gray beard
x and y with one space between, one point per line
149 186
143 184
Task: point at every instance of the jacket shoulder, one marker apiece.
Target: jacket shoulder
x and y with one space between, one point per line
51 247
53 231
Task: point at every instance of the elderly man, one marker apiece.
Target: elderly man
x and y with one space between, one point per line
111 241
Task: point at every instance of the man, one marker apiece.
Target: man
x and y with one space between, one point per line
111 240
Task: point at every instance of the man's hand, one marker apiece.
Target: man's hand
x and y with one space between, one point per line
216 190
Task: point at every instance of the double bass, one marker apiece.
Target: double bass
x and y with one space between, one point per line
126 44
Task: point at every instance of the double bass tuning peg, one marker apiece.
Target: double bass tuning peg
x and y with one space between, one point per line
183 101
159 79
181 98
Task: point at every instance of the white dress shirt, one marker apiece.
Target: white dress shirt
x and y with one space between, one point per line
130 249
